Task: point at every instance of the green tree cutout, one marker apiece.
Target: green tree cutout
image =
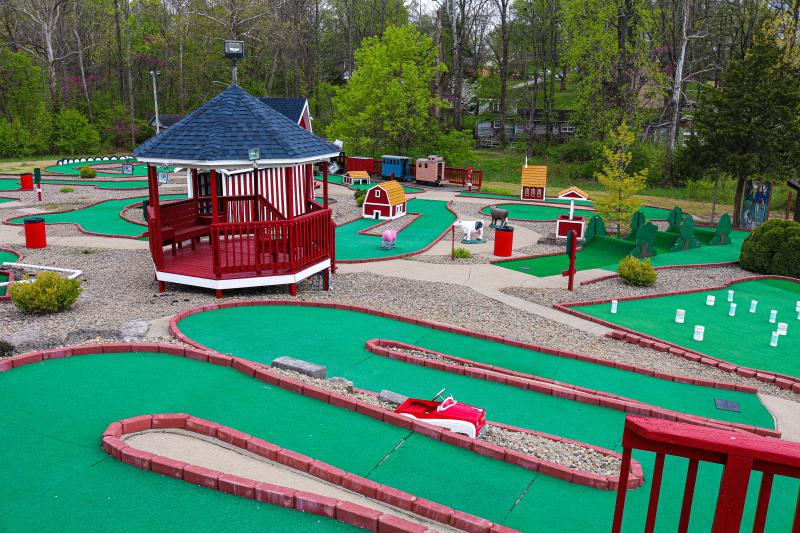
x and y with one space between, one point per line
386 105
619 203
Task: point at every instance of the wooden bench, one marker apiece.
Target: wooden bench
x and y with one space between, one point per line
181 222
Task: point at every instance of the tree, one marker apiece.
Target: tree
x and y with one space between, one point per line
387 104
750 126
619 203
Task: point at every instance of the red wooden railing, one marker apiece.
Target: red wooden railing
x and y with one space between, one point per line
740 452
274 245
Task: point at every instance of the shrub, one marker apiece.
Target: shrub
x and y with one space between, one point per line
773 248
66 189
48 293
637 272
462 253
88 173
72 133
360 196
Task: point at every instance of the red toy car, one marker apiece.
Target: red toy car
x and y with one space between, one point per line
448 414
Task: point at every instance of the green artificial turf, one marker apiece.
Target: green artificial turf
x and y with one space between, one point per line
453 476
74 169
435 219
103 218
9 184
4 200
466 194
742 340
13 184
606 252
6 257
537 212
339 180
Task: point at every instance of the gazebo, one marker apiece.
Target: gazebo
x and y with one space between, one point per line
255 224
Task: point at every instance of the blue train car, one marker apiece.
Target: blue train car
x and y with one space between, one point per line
396 165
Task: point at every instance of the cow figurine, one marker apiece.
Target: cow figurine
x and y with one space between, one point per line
470 226
499 215
389 239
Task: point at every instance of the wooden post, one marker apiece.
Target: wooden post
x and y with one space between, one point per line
289 193
788 205
309 182
572 246
214 207
732 493
622 489
452 243
325 184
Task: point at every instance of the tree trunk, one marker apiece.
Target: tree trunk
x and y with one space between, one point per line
129 69
532 117
120 76
677 85
737 202
504 38
457 69
84 85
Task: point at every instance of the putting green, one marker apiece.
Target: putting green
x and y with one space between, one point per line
435 219
511 197
742 340
339 180
536 212
4 200
102 218
606 252
13 184
10 257
114 168
452 476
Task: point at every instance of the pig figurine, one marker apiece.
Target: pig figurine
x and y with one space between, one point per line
389 239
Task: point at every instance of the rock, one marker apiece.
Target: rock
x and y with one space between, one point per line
27 340
134 331
81 335
391 397
341 382
298 365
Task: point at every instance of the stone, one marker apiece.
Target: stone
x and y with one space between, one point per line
82 335
133 331
28 340
341 382
391 397
298 365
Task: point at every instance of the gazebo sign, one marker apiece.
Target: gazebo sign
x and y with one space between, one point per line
163 177
253 154
127 169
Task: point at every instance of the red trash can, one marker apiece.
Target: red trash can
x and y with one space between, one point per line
26 182
503 241
35 234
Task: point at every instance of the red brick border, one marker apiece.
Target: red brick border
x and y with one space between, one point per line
401 256
7 297
350 513
784 381
565 390
367 231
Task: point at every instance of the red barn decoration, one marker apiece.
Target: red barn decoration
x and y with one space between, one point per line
573 193
534 183
356 177
385 201
250 219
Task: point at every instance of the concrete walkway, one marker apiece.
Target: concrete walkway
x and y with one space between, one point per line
15 235
786 414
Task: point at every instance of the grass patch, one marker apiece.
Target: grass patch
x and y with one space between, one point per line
462 253
66 189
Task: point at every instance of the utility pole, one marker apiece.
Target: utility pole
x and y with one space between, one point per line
155 74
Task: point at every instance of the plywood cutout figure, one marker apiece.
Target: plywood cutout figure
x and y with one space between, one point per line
644 241
722 234
637 221
675 220
595 228
687 239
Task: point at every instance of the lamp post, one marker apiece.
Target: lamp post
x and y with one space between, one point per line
155 74
234 50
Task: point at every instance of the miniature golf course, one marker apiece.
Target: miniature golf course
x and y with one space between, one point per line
549 199
742 340
10 257
543 213
13 184
105 169
493 489
339 180
434 220
606 252
102 218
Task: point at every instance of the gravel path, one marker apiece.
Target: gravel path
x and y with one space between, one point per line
392 224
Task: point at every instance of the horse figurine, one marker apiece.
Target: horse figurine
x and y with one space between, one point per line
470 226
389 239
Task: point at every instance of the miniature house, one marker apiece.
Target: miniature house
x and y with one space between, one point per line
356 177
250 219
573 193
385 201
430 169
534 183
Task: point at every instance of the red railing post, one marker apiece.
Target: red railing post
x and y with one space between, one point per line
622 490
655 492
763 502
688 496
732 493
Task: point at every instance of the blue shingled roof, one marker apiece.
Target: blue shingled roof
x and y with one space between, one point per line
227 126
291 108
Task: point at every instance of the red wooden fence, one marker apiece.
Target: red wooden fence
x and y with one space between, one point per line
275 245
740 452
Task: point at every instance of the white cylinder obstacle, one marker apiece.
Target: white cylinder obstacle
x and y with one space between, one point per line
732 310
753 305
773 316
782 328
699 333
680 316
774 340
710 299
730 296
614 304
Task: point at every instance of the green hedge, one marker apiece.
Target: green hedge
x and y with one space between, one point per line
637 272
773 248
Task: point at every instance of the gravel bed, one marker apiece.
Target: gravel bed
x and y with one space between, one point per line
563 453
395 224
476 259
428 355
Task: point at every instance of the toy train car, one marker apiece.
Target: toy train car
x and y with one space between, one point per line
366 164
396 167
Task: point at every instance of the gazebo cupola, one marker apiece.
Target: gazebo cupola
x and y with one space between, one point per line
254 224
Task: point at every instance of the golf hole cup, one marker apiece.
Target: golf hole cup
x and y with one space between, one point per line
680 315
782 328
730 296
753 305
699 331
614 304
773 316
732 310
774 340
710 299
